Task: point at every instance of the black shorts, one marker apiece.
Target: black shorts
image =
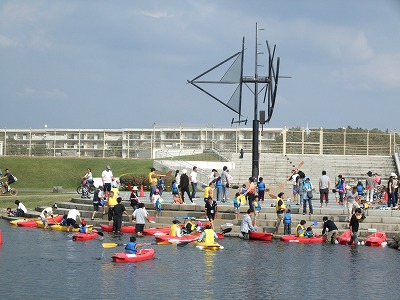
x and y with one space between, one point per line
107 187
71 222
211 217
95 206
110 213
139 228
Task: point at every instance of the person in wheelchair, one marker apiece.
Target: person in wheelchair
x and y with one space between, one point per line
10 179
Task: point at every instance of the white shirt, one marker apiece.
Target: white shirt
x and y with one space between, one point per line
49 212
324 182
107 176
193 177
140 215
178 179
73 213
294 178
22 207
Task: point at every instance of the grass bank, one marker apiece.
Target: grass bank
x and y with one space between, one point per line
42 173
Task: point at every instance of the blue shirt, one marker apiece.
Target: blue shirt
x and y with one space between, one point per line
131 248
261 186
287 219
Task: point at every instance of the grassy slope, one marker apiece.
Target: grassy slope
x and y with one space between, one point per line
44 173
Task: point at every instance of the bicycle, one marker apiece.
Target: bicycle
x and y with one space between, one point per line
90 188
4 190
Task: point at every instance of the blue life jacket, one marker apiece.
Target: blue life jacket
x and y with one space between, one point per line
236 203
360 189
175 189
287 219
131 248
261 186
82 229
63 222
218 184
257 205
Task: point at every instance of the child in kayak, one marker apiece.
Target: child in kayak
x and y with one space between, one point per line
131 247
309 233
300 229
83 228
208 236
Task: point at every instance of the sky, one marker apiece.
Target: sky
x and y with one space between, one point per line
125 63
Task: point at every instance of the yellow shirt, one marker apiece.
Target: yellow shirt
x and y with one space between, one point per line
206 192
112 201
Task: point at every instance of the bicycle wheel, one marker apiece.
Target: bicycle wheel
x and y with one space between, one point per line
13 192
79 189
92 189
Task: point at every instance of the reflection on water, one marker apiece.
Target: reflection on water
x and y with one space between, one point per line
209 276
41 261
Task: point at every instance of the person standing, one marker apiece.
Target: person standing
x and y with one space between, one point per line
307 187
177 178
134 198
280 210
139 217
299 187
71 218
106 177
98 200
193 180
261 189
352 201
247 225
119 210
21 209
341 189
250 192
324 186
153 180
241 154
185 186
287 222
294 177
392 190
330 230
370 186
211 210
225 183
354 224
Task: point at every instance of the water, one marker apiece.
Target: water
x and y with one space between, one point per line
35 264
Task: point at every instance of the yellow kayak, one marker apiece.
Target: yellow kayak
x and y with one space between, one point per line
205 246
64 228
15 222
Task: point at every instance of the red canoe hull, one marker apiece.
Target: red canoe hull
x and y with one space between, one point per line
261 236
292 238
143 254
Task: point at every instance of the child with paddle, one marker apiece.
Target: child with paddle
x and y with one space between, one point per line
132 246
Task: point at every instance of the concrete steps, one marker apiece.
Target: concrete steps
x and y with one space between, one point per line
387 221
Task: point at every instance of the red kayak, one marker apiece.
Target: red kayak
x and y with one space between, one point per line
157 231
261 236
376 239
344 238
32 223
85 236
143 254
295 239
167 239
124 229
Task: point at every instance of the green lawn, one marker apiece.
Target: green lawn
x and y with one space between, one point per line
40 173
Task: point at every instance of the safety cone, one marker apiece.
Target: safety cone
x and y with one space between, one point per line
141 191
386 196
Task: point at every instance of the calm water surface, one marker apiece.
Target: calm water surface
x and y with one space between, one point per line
35 264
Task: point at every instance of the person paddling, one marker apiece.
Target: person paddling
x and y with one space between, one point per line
132 246
208 236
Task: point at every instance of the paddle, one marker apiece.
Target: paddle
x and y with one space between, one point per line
282 185
113 245
223 231
272 196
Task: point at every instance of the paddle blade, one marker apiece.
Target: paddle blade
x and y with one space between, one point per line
281 186
168 173
100 233
130 188
300 164
272 196
111 245
226 230
315 223
151 220
267 190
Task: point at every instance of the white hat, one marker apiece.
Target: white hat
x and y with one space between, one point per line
393 174
184 171
135 188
